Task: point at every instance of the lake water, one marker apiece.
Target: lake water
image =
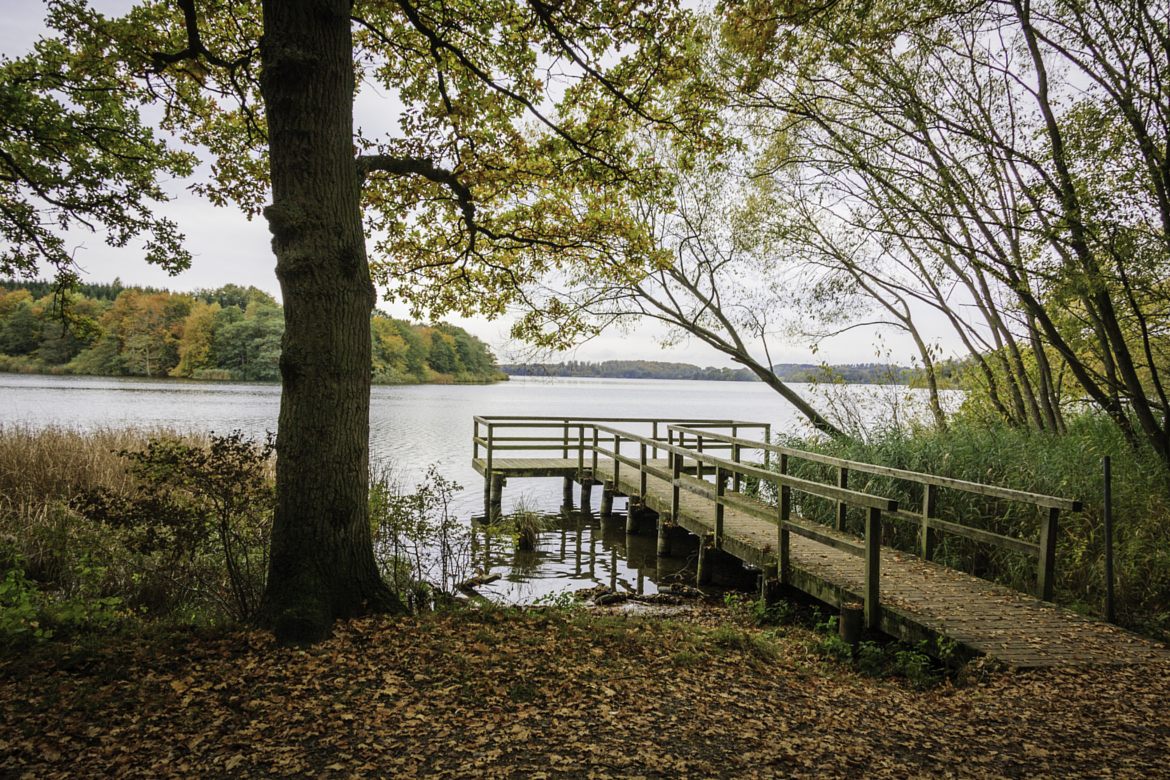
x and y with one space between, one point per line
415 426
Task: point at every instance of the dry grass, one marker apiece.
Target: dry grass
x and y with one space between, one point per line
42 470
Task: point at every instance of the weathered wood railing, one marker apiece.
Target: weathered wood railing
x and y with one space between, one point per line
930 526
725 471
486 426
603 439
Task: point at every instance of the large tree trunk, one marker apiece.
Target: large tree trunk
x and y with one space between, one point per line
322 562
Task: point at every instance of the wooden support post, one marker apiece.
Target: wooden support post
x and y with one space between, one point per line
676 472
698 461
720 490
580 450
607 499
873 550
654 436
784 540
735 456
567 497
617 464
706 559
927 536
587 494
842 507
487 466
565 442
770 585
495 495
593 468
664 534
1045 576
851 621
633 516
642 469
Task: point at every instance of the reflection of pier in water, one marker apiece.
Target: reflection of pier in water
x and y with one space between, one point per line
588 549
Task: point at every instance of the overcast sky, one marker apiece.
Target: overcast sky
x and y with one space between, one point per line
228 248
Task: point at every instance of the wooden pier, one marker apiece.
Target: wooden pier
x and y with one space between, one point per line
682 478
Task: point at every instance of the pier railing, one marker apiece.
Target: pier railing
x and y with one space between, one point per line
687 469
572 436
732 472
930 526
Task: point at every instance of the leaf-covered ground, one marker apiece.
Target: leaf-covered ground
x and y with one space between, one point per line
556 696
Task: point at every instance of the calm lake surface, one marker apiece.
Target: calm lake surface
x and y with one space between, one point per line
416 426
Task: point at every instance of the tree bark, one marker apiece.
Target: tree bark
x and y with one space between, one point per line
322 565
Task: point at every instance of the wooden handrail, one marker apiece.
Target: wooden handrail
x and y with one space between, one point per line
1049 506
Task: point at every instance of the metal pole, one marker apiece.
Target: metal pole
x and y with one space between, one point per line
1109 609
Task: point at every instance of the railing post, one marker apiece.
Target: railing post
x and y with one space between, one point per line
642 471
617 450
1047 570
654 435
676 472
698 462
928 537
565 442
720 489
767 440
735 456
784 536
580 452
491 433
475 440
842 507
594 451
873 551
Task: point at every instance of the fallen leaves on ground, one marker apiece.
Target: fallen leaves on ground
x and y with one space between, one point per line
547 695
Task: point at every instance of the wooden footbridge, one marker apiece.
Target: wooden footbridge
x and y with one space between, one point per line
693 475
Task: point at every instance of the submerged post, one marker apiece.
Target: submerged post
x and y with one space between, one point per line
587 494
664 524
567 496
496 495
607 499
633 516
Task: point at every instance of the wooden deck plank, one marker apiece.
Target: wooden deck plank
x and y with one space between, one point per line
920 600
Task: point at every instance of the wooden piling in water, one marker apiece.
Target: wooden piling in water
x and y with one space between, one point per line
586 495
706 560
496 495
664 534
567 494
633 517
607 499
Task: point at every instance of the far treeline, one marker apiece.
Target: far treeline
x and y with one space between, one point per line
854 373
227 333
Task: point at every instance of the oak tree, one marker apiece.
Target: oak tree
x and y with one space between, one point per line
504 108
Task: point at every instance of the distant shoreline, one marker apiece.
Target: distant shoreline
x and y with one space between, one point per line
854 373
